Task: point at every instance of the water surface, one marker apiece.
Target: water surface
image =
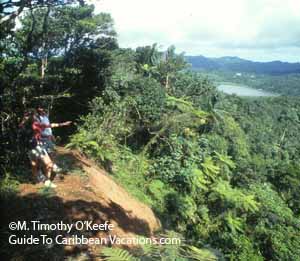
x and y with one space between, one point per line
243 90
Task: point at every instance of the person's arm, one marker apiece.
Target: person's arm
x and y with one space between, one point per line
55 125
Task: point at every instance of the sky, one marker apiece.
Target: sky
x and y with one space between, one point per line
259 30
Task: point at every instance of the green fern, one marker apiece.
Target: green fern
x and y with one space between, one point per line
235 224
226 160
236 197
202 254
176 252
249 203
210 169
200 180
186 107
117 254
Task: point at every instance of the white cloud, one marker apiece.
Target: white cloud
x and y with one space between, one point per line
254 29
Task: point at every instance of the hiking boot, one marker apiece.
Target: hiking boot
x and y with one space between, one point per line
52 185
49 184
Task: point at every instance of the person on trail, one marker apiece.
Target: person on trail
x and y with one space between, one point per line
47 136
37 149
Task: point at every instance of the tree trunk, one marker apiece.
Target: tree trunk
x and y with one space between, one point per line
44 66
167 82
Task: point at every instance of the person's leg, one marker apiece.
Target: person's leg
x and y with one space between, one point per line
34 162
34 168
45 160
48 170
50 148
48 164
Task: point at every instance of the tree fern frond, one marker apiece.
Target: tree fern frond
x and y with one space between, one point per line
235 224
186 107
234 196
200 179
202 254
117 254
209 168
225 159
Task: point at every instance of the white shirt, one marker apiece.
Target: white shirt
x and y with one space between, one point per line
45 120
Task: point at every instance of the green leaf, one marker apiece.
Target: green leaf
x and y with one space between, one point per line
202 254
117 254
209 168
225 159
235 224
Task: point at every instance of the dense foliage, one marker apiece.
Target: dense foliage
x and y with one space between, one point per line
44 63
220 170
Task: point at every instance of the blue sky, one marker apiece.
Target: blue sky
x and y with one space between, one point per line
261 30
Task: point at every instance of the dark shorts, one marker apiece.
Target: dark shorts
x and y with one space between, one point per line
37 153
48 145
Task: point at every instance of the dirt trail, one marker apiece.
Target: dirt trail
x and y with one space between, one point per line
87 193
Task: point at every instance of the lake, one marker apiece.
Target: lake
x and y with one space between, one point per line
240 90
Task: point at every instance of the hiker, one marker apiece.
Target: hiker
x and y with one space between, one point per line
37 149
46 135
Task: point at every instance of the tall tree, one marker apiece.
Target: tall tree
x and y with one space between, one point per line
170 65
10 9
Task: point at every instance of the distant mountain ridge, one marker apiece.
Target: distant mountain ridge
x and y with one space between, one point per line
236 64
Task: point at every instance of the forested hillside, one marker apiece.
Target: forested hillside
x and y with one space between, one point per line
276 77
221 172
236 64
